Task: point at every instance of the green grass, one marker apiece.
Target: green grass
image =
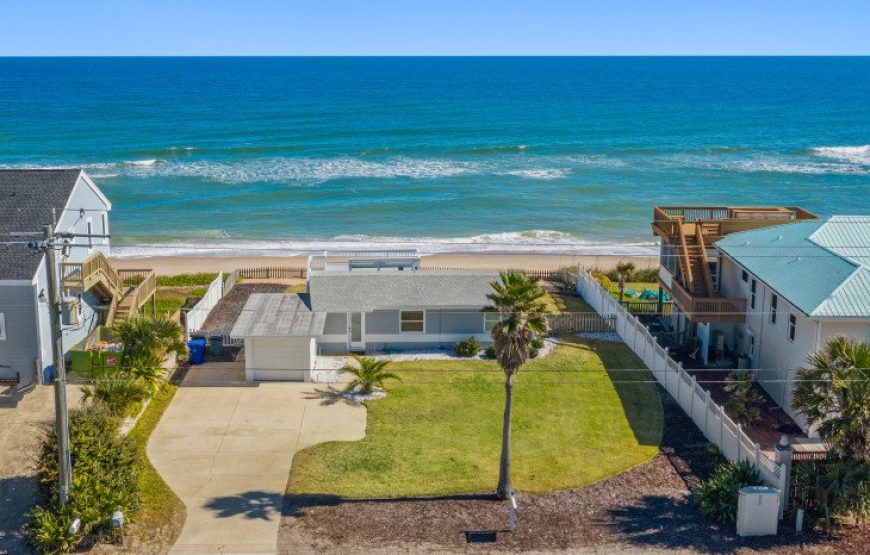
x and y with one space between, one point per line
438 431
560 303
160 508
186 280
171 298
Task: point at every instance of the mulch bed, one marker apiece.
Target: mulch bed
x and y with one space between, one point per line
223 316
764 431
645 508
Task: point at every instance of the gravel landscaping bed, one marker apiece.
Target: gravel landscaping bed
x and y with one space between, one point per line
645 509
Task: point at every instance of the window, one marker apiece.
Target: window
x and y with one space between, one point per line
490 319
412 321
2 327
90 233
105 221
773 301
752 297
744 276
792 326
751 346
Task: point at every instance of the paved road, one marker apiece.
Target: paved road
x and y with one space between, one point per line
227 451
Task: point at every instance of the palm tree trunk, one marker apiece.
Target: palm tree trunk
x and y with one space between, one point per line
504 470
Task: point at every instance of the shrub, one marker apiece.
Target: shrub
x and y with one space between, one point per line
147 342
604 280
717 496
646 275
186 280
371 373
833 488
105 477
490 352
468 347
533 352
123 397
743 404
538 344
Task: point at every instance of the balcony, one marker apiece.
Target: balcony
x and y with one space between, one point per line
712 310
125 292
716 222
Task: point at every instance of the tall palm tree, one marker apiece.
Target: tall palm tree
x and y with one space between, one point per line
834 394
146 343
519 301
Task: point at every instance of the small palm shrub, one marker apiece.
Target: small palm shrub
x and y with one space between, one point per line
833 488
147 342
538 344
123 397
533 352
717 496
468 347
370 374
105 477
490 352
743 406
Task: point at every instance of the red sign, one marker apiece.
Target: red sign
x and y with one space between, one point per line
111 361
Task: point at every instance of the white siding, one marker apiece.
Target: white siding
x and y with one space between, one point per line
279 358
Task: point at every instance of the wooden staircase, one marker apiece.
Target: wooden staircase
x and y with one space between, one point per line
124 292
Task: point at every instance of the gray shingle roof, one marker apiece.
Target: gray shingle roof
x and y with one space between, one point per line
278 315
364 291
26 200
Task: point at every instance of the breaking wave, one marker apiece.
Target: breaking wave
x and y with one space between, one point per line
853 154
536 241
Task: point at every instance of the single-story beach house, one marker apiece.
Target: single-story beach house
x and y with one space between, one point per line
362 302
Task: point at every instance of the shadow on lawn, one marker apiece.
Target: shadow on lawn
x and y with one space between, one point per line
640 399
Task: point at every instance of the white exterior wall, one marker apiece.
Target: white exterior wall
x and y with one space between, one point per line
777 357
279 358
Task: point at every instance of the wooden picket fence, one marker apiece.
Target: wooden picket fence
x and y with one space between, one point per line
272 273
577 322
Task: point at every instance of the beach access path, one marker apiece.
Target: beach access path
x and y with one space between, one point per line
227 452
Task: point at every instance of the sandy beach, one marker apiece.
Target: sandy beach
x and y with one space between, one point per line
170 265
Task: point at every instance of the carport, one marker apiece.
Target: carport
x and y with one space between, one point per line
280 333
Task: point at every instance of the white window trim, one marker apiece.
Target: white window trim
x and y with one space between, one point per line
104 219
2 327
401 331
488 313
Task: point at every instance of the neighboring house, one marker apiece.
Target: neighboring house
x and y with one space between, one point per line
803 283
691 270
94 293
362 303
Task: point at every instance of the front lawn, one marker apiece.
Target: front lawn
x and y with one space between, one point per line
438 431
565 303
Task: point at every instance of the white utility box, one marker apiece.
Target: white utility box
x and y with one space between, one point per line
757 511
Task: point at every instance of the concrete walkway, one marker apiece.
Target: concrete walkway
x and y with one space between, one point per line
227 451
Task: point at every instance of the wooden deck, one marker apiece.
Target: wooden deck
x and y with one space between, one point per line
125 291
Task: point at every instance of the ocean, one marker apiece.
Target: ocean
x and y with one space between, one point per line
565 155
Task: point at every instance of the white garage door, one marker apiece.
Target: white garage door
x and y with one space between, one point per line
278 358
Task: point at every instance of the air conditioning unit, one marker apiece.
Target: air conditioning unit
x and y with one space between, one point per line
71 311
757 511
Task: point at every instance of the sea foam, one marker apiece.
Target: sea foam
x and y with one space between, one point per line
853 154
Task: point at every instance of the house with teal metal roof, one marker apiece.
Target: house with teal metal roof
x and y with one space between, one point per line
803 282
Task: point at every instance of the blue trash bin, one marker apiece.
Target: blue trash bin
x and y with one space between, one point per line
197 351
47 374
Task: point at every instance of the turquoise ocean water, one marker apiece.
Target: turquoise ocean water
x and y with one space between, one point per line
268 155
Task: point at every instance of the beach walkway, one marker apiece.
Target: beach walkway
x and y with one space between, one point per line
227 451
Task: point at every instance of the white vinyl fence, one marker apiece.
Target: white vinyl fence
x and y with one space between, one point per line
716 425
197 315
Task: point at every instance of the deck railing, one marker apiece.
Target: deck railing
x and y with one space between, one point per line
708 309
82 276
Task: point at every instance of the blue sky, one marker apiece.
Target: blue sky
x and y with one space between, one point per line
434 27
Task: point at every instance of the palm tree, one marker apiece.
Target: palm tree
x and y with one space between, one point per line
519 300
368 375
834 487
146 343
834 394
624 271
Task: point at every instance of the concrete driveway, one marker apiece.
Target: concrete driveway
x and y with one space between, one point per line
227 451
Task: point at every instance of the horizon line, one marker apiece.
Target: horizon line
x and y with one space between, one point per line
719 55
